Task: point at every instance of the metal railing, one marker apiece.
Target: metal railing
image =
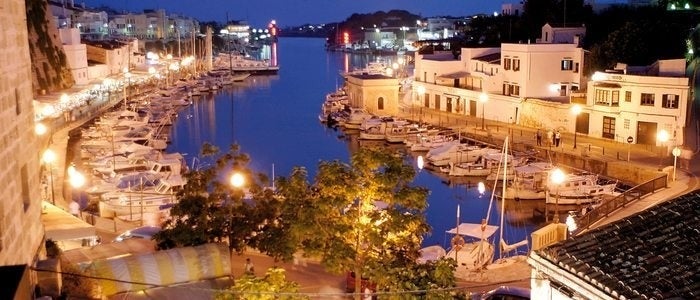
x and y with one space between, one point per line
604 210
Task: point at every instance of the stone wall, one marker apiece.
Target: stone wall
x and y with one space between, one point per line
21 231
50 68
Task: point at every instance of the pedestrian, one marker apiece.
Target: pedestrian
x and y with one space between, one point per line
538 136
557 138
249 268
550 137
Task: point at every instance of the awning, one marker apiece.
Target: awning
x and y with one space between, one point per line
110 250
60 225
474 230
455 75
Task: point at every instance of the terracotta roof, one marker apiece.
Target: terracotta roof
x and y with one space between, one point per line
650 255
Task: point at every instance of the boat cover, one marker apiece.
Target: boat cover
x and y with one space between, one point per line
474 230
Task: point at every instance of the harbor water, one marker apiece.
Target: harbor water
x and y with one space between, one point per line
274 120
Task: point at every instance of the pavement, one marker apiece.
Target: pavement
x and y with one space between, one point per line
311 276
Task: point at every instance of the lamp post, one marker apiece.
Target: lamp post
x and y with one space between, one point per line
557 177
483 98
421 93
676 153
575 110
49 157
662 137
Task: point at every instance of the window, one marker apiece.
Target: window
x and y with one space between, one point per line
647 99
608 127
437 102
18 102
516 65
506 64
615 98
601 96
380 103
567 65
510 89
626 124
669 101
628 96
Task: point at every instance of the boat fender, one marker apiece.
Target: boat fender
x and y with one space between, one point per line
457 242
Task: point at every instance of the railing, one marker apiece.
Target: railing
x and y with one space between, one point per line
611 205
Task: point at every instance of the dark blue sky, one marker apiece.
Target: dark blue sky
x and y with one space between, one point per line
297 12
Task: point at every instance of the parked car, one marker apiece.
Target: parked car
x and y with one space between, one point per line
504 293
145 232
364 283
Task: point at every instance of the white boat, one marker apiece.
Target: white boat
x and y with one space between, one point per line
130 202
356 117
426 142
431 253
529 182
579 190
399 134
485 165
376 129
240 63
470 245
455 152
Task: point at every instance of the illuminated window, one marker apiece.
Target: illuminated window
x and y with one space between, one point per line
601 96
516 65
647 99
615 100
628 96
669 101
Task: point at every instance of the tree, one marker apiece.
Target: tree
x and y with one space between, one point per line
363 217
272 286
211 211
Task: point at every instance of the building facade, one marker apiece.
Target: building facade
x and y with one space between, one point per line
378 94
21 231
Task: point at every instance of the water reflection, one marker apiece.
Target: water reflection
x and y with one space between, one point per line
274 119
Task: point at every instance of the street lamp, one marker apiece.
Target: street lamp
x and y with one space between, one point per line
483 98
557 177
237 180
676 153
576 110
49 157
40 129
76 180
662 137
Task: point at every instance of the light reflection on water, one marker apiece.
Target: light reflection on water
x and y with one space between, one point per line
274 119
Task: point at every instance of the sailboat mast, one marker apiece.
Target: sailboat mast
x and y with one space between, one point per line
503 192
457 234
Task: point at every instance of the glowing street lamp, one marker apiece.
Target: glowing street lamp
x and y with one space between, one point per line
40 129
49 157
662 137
483 98
237 180
575 110
557 177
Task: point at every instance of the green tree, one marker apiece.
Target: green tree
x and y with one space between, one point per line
273 285
364 216
210 210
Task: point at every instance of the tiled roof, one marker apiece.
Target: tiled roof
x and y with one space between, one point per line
654 254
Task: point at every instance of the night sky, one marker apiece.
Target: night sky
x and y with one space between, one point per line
298 12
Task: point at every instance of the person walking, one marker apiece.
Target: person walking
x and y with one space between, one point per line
550 137
538 136
249 268
557 138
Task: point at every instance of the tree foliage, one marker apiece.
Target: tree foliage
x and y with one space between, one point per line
273 285
210 210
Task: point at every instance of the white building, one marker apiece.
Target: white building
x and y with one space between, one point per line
639 102
562 34
76 54
436 28
512 9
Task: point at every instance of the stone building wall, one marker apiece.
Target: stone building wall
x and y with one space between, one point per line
21 231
